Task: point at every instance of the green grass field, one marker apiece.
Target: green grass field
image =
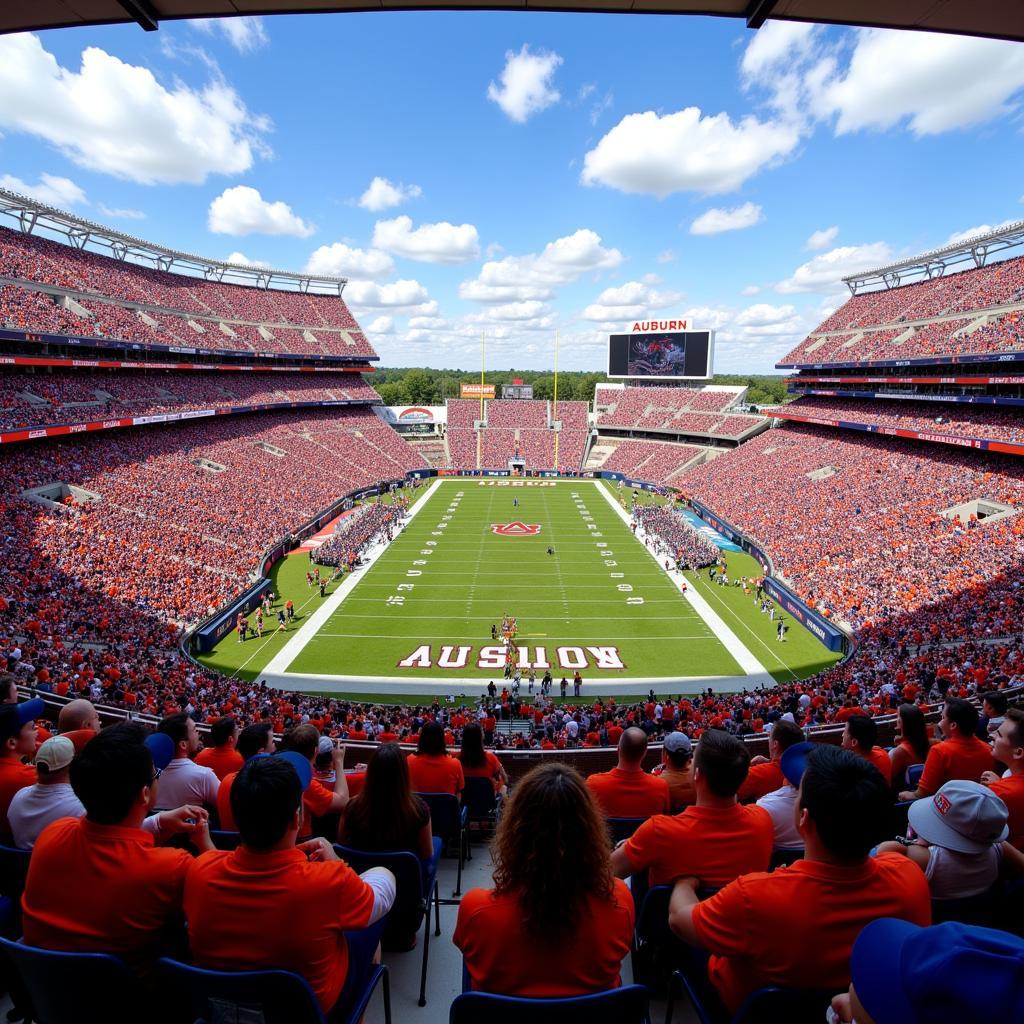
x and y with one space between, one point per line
430 600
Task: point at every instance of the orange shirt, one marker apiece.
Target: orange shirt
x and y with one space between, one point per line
125 891
629 794
880 759
761 780
714 844
13 776
490 769
796 926
1011 792
431 773
316 802
959 757
249 910
223 760
227 819
490 928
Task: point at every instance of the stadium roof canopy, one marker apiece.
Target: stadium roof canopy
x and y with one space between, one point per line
1003 19
935 263
30 217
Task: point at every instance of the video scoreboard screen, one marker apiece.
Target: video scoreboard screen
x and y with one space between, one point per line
669 355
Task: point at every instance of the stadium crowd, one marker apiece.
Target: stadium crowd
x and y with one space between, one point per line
357 531
949 418
655 461
44 399
688 548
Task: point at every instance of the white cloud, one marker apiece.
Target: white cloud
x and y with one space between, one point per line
658 155
516 311
382 194
629 301
824 273
429 243
822 238
934 82
666 256
715 221
117 118
774 45
339 260
764 315
751 289
535 275
241 210
526 83
978 229
246 35
120 214
381 325
409 295
50 189
243 260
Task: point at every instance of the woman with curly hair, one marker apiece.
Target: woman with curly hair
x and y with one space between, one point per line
557 922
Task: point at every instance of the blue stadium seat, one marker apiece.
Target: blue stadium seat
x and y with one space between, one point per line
480 801
225 840
283 997
625 1005
416 883
772 1003
784 855
656 948
912 776
623 828
86 988
450 820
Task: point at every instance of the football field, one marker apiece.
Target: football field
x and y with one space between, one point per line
558 556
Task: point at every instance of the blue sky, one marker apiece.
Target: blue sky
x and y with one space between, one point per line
518 174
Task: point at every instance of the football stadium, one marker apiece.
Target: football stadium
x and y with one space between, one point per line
676 672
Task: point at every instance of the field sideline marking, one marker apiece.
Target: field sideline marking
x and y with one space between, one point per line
291 650
729 640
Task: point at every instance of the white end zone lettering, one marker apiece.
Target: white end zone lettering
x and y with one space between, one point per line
491 657
606 657
453 657
420 658
571 657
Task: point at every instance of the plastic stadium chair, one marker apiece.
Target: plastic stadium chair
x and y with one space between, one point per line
656 948
225 840
480 801
791 1005
625 1005
86 988
231 997
416 884
912 776
450 820
785 855
13 870
283 996
623 828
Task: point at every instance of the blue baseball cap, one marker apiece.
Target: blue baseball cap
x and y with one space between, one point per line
14 717
301 764
794 761
947 974
161 747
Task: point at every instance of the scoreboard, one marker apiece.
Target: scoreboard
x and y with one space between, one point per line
662 354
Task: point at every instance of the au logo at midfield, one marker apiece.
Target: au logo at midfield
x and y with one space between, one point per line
516 529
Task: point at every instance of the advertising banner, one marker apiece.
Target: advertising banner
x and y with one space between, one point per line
719 540
476 390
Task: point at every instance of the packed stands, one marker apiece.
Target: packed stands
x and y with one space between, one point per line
463 412
678 410
575 415
517 413
689 549
41 399
45 274
854 522
462 447
948 418
655 461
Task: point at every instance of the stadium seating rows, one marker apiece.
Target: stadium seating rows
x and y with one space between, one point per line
968 421
655 461
863 537
679 409
41 399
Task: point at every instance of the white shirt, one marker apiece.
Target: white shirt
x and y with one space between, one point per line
954 876
780 804
185 782
34 807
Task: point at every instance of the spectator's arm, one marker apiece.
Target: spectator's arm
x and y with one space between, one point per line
382 882
1012 863
340 800
621 867
425 841
680 910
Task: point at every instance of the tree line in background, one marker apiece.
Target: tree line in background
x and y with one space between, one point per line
422 386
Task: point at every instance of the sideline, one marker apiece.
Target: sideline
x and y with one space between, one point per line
278 665
755 671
